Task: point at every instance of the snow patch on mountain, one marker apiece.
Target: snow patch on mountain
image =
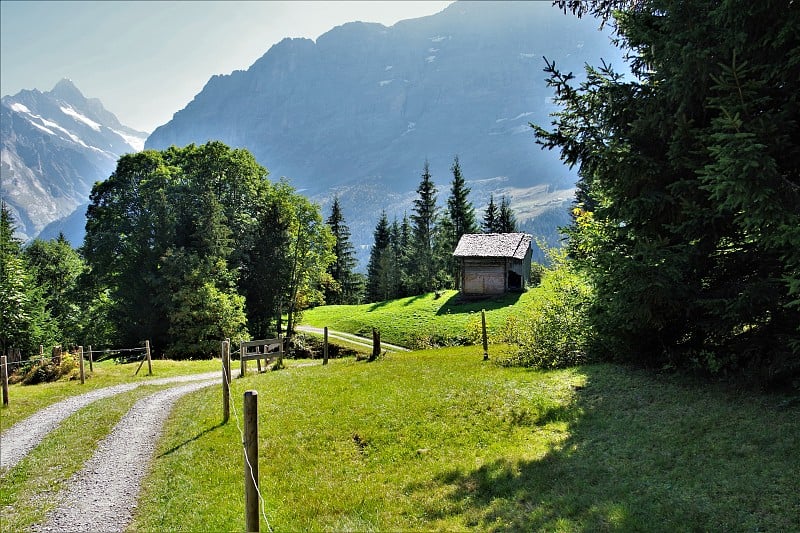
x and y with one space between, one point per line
67 110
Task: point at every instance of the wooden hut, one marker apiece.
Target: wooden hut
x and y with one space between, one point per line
494 263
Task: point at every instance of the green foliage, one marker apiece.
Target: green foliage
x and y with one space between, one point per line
346 286
554 331
687 218
424 221
185 243
25 321
47 371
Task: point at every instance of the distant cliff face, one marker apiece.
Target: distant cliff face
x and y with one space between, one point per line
370 103
55 146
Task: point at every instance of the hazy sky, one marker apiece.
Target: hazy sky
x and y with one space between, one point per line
146 60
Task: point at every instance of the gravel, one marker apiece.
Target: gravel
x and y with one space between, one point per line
103 495
24 436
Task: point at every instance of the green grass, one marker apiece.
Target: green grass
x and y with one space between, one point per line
24 400
418 321
440 440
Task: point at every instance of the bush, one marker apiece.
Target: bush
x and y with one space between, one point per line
47 371
555 332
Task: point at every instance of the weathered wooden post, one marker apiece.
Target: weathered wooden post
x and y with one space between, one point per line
147 354
91 364
4 377
251 461
41 354
56 355
242 363
485 338
80 364
226 380
325 346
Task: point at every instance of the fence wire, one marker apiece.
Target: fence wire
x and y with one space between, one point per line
241 433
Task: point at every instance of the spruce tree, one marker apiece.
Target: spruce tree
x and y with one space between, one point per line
379 261
490 217
688 219
424 219
506 221
459 220
345 289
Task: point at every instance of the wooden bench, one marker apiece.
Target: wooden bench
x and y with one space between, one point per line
270 350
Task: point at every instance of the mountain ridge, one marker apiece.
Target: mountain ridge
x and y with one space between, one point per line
55 146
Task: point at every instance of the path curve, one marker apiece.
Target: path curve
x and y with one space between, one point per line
25 435
350 337
104 494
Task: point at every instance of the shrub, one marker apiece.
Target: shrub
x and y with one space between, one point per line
47 371
555 332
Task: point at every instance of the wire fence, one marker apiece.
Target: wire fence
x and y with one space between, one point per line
226 377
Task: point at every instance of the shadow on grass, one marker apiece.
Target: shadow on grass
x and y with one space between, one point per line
642 454
458 304
189 441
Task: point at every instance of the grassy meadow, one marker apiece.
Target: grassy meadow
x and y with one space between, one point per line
422 321
440 440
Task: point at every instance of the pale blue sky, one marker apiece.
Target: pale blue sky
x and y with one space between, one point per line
147 60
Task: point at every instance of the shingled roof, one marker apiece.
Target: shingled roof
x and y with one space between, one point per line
493 245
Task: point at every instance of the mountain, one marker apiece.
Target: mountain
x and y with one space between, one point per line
357 112
55 146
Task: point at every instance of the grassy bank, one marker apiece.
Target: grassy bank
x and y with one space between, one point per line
421 321
439 440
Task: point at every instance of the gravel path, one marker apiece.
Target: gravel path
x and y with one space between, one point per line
103 495
349 337
25 435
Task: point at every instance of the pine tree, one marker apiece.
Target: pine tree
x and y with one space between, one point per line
424 219
506 221
460 219
379 261
490 217
345 288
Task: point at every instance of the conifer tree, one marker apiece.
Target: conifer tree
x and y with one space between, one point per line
345 287
687 219
378 268
424 219
506 221
490 217
460 220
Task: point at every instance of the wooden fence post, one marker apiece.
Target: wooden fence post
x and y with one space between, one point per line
147 353
251 461
485 338
56 355
41 354
91 365
80 364
4 377
226 380
325 347
242 362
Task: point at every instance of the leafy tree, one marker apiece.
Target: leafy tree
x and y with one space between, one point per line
56 268
25 322
424 220
688 221
345 287
506 221
490 217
